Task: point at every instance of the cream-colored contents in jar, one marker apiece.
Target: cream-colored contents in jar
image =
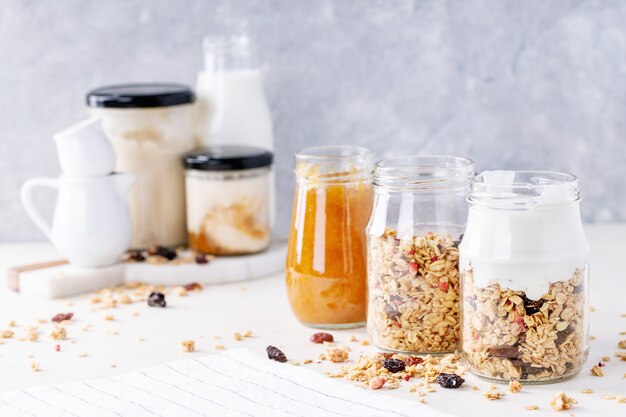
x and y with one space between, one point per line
149 143
227 214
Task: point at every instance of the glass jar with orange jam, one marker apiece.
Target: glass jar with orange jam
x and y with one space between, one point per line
326 260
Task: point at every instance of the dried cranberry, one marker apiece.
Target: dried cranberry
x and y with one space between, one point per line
443 286
433 259
57 348
136 255
156 299
192 286
275 354
322 337
449 380
413 360
393 365
62 317
504 351
407 377
201 259
163 252
600 364
386 355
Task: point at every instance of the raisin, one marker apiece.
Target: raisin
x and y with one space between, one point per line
202 259
135 255
393 365
156 299
441 248
275 354
449 380
562 335
192 286
532 306
322 337
62 317
526 370
391 312
163 252
413 360
456 243
504 351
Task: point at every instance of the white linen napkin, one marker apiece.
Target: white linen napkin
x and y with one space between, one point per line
235 383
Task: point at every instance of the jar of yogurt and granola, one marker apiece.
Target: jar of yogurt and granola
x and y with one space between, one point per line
419 214
524 269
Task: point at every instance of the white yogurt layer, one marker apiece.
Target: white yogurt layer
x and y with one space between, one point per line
524 249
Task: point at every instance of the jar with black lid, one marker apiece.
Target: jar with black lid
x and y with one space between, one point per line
227 191
150 126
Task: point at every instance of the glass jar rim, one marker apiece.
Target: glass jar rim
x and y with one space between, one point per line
510 189
424 172
334 164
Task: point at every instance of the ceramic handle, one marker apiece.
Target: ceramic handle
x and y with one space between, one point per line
29 205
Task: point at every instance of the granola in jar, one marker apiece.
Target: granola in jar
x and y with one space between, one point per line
508 336
414 292
420 210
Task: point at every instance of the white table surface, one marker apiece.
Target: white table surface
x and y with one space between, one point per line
261 306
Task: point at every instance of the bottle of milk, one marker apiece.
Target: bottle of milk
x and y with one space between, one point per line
231 105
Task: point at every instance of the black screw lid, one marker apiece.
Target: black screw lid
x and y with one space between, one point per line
140 95
227 158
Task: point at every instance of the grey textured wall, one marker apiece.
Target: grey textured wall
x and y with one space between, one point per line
513 84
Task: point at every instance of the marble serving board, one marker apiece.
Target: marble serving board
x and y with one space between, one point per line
58 279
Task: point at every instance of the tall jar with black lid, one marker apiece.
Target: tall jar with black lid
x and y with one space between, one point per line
150 126
227 191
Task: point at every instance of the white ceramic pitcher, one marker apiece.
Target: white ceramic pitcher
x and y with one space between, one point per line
91 224
84 150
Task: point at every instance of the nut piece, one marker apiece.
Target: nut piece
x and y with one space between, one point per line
515 386
531 407
6 334
188 345
377 382
597 371
58 333
337 353
34 366
621 344
586 391
493 395
560 401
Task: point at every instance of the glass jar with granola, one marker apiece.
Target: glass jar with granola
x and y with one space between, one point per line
326 258
419 213
524 268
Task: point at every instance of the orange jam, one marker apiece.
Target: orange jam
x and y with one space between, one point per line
326 261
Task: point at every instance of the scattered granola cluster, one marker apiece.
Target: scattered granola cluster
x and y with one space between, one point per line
560 401
414 293
508 336
388 370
